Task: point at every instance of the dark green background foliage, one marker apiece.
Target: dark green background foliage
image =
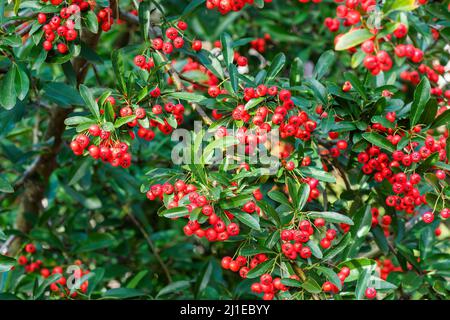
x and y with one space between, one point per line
76 208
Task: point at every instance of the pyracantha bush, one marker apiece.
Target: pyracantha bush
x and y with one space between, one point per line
269 166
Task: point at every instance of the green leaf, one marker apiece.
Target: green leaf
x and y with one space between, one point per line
252 250
192 6
174 287
291 283
363 283
260 269
399 5
378 140
380 239
311 286
352 39
253 103
279 197
304 192
96 241
318 174
247 219
324 64
123 293
345 241
331 217
356 84
76 120
270 211
90 101
276 66
227 48
5 186
119 70
442 119
144 18
175 212
123 120
45 284
7 89
188 96
221 144
421 97
136 279
331 275
356 266
22 83
6 263
92 22
234 77
296 73
293 191
315 250
62 94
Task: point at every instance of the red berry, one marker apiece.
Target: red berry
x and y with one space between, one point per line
196 45
370 293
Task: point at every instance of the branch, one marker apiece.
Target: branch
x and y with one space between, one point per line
151 245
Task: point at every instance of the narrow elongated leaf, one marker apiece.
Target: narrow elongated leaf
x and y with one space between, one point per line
331 217
324 64
260 269
175 212
247 219
421 97
6 263
352 39
378 140
7 89
227 48
90 101
276 66
279 197
296 73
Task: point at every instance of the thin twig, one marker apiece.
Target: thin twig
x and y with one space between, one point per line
180 87
151 245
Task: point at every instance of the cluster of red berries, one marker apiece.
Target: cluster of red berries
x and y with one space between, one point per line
259 44
297 125
110 146
225 6
404 184
186 195
270 286
350 13
174 39
59 286
386 267
143 62
385 221
27 260
432 73
114 152
376 60
61 29
240 264
105 19
331 287
294 239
